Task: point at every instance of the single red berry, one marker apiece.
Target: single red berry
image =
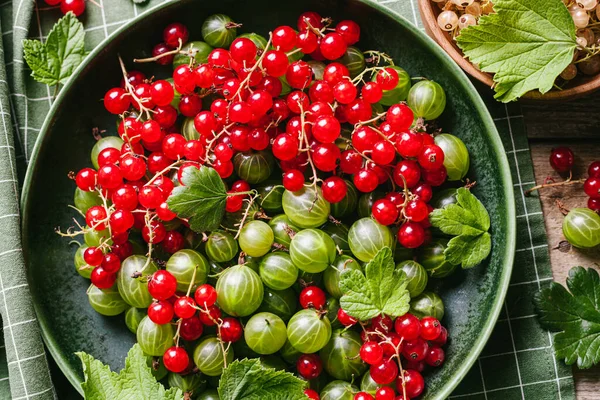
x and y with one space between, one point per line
593 204
284 38
243 50
345 91
334 189
349 30
132 167
408 327
162 285
309 19
366 180
285 147
116 100
414 384
351 162
326 129
309 366
161 312
102 279
364 138
219 58
299 74
121 250
434 177
223 168
275 63
594 170
385 212
435 357
363 396
311 394
415 350
205 295
293 180
151 196
400 117
160 49
190 105
86 179
191 328
431 157
385 393
409 144
562 159
383 152
173 242
176 34
385 372
407 173
416 210
411 235
154 232
125 198
591 187
388 78
345 319
312 296
307 42
231 330
333 46
430 328
382 323
93 256
76 6
164 213
321 91
210 316
371 353
121 221
185 307
392 344
176 359
95 217
372 92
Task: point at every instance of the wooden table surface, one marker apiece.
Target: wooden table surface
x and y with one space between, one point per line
577 125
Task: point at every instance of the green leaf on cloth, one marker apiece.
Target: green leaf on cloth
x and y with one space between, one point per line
469 222
201 200
134 382
381 290
526 43
575 315
250 380
53 62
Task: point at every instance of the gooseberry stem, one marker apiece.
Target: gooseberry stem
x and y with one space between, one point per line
556 184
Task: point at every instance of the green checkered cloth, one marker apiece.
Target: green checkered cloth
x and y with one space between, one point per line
516 364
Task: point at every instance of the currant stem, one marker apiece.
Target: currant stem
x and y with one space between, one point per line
158 57
258 63
131 91
243 221
556 184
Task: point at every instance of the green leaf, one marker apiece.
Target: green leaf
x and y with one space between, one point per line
202 200
468 251
575 315
135 382
250 380
526 43
382 290
53 62
469 222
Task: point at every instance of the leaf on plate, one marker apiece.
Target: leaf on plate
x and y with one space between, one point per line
201 200
575 315
134 382
54 61
525 43
381 290
469 222
250 380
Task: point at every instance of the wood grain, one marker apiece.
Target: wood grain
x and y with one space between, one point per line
573 119
587 382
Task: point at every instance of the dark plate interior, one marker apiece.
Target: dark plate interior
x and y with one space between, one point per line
473 299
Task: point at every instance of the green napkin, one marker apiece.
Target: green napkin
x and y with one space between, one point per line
516 364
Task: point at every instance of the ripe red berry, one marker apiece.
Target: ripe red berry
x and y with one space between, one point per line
413 383
243 50
299 75
174 241
363 396
102 279
161 312
116 100
562 159
309 366
435 356
284 38
205 295
408 327
210 316
231 330
371 353
309 19
388 78
415 350
162 285
349 30
93 256
333 46
366 180
312 296
176 34
407 173
95 217
86 179
416 210
430 328
160 49
176 359
154 232
411 235
594 170
76 6
591 187
334 189
385 212
185 307
326 129
293 180
311 394
191 328
345 319
385 393
285 147
385 372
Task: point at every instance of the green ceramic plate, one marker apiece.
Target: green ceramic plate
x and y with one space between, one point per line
473 299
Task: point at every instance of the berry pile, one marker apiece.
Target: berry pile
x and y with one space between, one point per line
309 134
77 7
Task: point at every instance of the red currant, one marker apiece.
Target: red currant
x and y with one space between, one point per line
312 296
210 316
185 307
344 91
160 49
162 285
174 241
334 189
385 372
333 46
385 212
372 92
76 6
309 366
231 330
385 393
284 38
154 232
435 357
93 256
191 328
415 350
175 35
408 327
562 159
363 396
311 394
591 187
176 359
371 353
86 179
299 75
309 19
102 279
161 312
243 50
366 180
345 319
116 100
285 147
388 78
95 217
349 30
594 169
409 144
205 295
413 383
407 173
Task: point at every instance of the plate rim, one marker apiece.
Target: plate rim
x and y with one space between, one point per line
491 133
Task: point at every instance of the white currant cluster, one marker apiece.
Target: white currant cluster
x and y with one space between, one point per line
458 14
586 16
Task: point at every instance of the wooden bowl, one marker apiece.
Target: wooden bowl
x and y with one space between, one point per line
576 88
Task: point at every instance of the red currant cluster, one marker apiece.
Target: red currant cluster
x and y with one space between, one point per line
193 314
562 160
396 351
77 7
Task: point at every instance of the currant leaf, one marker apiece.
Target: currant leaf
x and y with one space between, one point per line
201 200
134 382
575 315
54 61
526 43
381 290
250 380
469 222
